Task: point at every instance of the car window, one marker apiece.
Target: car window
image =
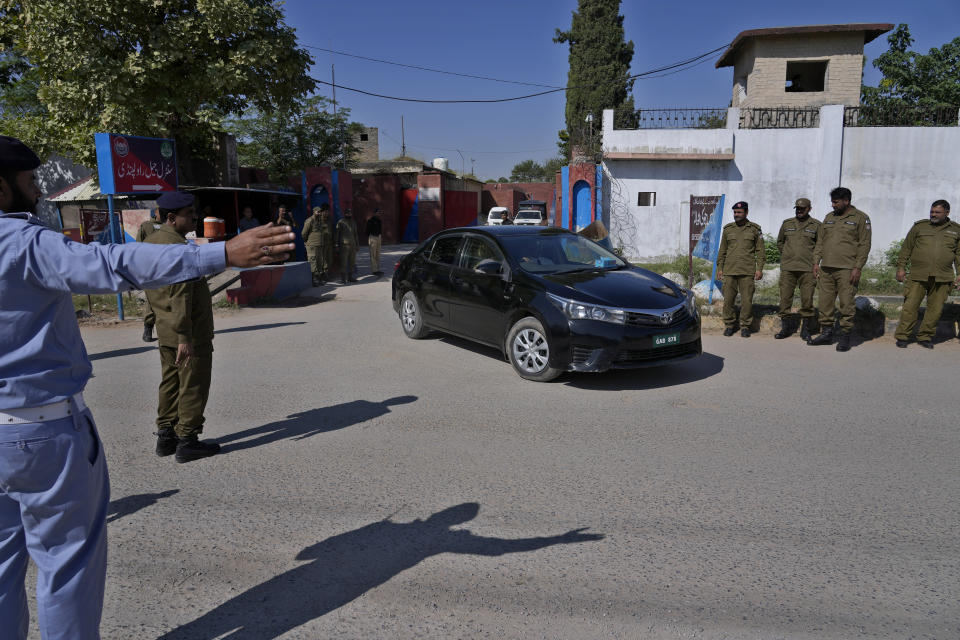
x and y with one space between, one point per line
557 253
477 250
444 249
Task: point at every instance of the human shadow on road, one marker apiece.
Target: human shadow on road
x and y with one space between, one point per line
346 566
310 423
693 370
258 327
131 504
116 353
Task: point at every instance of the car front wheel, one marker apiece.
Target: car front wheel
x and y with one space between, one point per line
411 318
529 351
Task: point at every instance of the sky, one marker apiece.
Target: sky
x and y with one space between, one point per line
513 41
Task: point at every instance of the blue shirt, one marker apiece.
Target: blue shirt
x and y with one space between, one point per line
42 357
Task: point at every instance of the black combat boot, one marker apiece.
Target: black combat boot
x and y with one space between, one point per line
825 337
148 333
843 344
729 331
788 327
166 442
191 448
805 333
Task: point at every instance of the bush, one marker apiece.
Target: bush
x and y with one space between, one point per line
772 250
892 254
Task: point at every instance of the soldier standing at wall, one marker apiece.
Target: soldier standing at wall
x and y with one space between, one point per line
739 264
843 246
796 241
147 227
932 248
347 245
317 239
374 228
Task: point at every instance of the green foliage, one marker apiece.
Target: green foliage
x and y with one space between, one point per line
166 68
305 134
533 171
598 76
772 251
915 79
892 253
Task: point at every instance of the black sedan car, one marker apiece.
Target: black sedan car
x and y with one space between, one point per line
550 299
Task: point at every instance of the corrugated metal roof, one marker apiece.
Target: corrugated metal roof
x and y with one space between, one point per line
88 189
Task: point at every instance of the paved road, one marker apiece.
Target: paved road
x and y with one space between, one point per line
373 486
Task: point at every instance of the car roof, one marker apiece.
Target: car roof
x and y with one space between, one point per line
511 230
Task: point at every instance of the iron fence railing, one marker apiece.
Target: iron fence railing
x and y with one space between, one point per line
681 118
779 117
901 116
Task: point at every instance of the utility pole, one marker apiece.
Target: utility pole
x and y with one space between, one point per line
403 140
333 83
471 166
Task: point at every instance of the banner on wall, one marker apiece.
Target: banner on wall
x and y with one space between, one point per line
706 215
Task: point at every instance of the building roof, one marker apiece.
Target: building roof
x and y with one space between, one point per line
871 30
87 190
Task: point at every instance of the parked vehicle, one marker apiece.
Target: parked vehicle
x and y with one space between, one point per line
550 300
496 215
529 217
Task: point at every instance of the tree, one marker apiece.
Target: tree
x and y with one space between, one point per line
305 134
166 68
599 74
533 171
912 79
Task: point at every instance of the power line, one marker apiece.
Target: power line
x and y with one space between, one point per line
679 66
431 69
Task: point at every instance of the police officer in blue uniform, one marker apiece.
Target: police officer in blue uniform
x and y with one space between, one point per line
54 488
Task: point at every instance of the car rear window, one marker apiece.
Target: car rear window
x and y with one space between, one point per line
445 249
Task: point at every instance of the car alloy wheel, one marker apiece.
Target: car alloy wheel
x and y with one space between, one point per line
411 319
530 351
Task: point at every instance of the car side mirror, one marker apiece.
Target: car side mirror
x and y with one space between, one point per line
489 267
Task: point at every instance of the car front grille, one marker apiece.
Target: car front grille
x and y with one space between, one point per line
678 317
638 356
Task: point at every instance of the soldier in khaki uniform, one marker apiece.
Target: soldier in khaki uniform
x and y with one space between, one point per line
843 246
347 243
796 241
318 240
932 249
185 330
739 264
147 227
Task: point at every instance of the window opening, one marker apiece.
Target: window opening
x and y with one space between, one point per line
806 76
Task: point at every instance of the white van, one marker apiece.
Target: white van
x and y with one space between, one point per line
497 214
529 216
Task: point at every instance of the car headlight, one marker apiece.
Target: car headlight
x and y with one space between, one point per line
691 304
581 311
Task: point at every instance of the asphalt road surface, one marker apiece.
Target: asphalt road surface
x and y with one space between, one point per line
372 486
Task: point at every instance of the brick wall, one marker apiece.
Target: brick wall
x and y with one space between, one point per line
378 192
764 65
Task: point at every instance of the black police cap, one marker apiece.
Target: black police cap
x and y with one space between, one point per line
16 156
174 200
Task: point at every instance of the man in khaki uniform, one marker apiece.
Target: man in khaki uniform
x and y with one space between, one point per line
739 264
796 241
318 240
185 330
347 243
932 249
843 246
147 227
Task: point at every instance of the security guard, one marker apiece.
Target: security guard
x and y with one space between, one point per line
54 486
932 249
147 227
347 242
739 264
796 241
318 240
843 246
185 331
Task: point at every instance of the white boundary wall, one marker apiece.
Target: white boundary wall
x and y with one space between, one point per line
894 174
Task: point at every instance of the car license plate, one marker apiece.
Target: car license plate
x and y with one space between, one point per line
666 339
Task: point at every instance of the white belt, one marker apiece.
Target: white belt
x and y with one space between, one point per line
46 413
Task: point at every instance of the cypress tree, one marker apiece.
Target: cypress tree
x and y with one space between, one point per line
599 74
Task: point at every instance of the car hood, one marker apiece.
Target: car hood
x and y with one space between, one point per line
629 288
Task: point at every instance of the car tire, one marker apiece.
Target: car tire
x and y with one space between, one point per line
529 351
411 316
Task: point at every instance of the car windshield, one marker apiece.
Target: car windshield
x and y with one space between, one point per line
496 215
559 253
528 215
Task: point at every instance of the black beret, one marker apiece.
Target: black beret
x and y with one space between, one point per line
174 200
741 205
16 156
